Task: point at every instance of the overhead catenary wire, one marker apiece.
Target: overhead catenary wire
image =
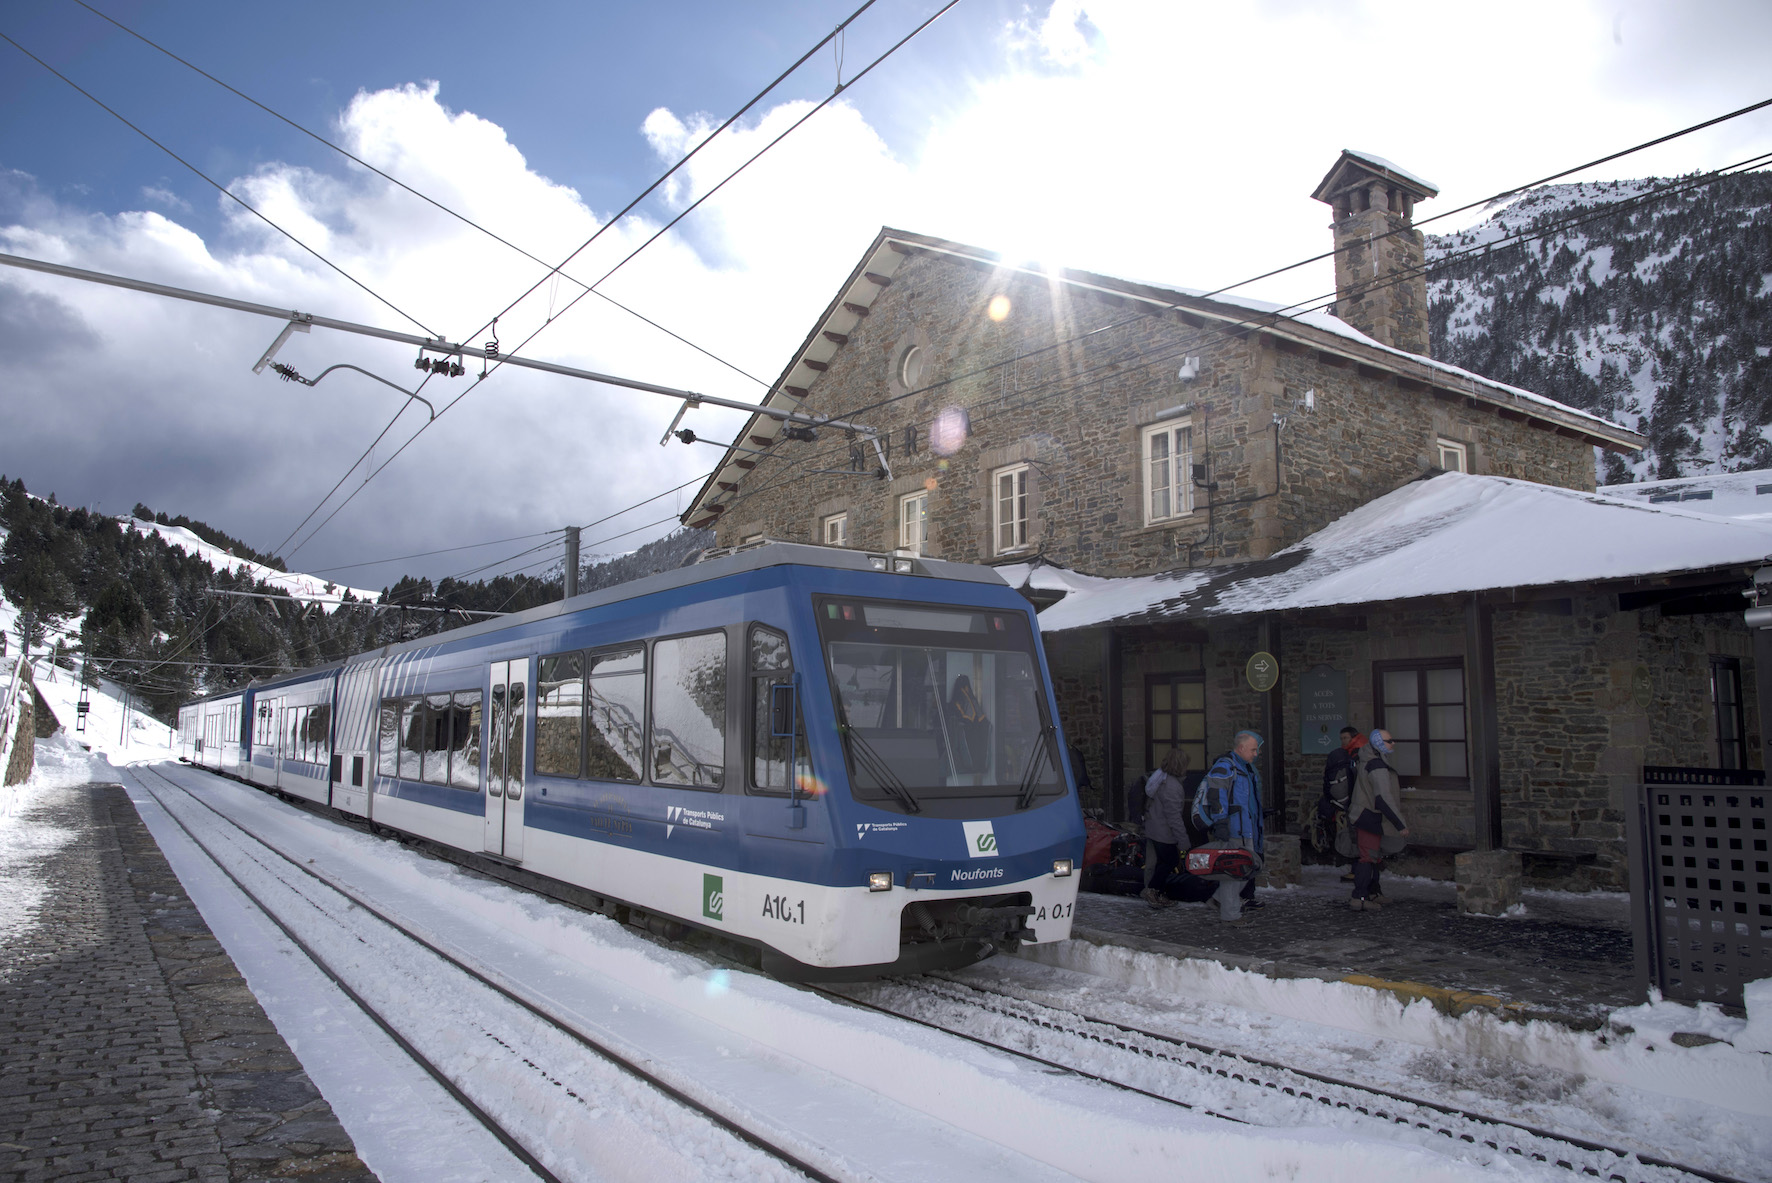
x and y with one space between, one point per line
492 368
219 187
395 181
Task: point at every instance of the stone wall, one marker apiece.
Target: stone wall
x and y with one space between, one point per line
1586 696
1074 411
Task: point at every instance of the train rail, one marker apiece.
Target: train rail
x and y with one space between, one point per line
323 893
954 1006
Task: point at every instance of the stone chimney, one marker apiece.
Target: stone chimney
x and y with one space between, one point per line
1379 285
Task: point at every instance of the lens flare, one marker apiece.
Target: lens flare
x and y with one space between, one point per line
999 308
810 785
948 433
718 982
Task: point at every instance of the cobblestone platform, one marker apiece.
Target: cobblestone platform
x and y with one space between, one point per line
1567 957
130 1047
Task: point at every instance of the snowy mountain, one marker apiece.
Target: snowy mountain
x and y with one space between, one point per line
1647 301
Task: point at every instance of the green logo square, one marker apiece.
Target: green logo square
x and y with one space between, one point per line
713 897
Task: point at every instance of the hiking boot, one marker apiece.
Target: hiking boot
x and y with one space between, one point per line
1257 902
1357 904
1348 878
1373 903
1151 896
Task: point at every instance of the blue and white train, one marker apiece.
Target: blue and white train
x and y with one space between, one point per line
850 761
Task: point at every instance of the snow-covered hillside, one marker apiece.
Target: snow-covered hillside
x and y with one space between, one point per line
1647 301
309 588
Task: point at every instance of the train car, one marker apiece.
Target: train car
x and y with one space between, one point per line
211 732
850 761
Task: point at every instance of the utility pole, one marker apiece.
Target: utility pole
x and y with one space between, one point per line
571 561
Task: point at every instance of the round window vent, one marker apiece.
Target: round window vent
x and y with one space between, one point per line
910 367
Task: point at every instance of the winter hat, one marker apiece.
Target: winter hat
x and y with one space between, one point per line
1255 735
1379 743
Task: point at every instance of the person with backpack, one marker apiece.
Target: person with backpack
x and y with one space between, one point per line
1165 826
1332 832
1377 799
1228 809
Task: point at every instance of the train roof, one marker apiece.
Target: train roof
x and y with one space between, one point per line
716 564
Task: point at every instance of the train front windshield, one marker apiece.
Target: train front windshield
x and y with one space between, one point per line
938 703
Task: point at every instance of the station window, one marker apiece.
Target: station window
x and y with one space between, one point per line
1421 703
913 522
836 530
1009 509
1167 454
1454 456
1725 697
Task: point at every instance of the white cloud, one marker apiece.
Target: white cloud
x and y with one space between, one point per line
165 198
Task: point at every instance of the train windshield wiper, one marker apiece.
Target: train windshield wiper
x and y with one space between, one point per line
864 758
1030 783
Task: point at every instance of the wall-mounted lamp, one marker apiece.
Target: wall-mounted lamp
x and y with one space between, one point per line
1190 369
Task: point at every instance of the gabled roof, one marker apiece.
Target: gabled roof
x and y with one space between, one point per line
1314 330
1444 535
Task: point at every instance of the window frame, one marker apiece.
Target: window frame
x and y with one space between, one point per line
1181 481
920 546
1019 527
649 753
1155 749
1728 749
1442 446
1381 710
754 705
839 520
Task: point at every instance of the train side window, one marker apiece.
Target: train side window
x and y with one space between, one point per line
615 740
559 715
387 738
689 711
319 733
771 665
437 739
464 756
412 738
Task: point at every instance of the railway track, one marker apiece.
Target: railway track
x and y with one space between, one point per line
512 1025
1185 1073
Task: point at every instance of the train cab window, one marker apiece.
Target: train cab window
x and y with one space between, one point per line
689 711
771 665
412 738
464 754
438 732
559 715
615 742
387 739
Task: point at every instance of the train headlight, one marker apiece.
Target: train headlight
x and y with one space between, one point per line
880 881
877 562
903 566
1061 868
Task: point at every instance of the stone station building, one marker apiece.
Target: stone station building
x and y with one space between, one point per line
1092 435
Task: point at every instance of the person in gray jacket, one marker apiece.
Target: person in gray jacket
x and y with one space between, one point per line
1377 799
1165 826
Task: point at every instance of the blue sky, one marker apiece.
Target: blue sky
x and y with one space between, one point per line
1175 141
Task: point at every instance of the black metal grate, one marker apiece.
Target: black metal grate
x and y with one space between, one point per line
1663 774
1704 897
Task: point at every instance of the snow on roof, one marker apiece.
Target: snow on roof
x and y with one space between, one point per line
1744 496
1377 161
301 587
1449 534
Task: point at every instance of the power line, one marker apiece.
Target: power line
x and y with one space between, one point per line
425 554
524 343
393 180
219 187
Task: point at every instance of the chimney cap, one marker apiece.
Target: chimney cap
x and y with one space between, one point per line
1355 169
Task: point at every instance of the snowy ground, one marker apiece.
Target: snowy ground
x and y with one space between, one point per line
865 1095
144 737
26 840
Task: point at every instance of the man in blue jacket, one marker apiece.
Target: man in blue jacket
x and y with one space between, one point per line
1228 808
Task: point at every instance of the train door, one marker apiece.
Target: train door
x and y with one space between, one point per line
505 750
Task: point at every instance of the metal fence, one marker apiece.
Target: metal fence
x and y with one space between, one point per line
1701 882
